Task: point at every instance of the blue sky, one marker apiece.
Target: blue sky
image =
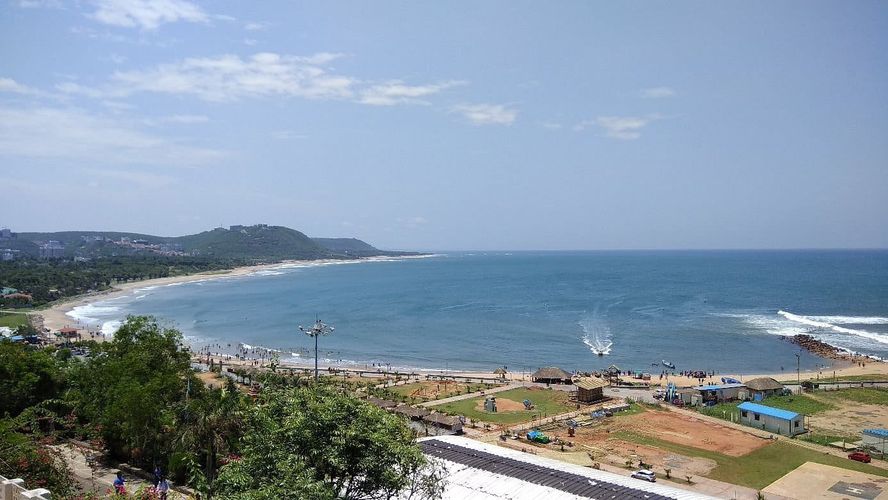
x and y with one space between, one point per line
451 125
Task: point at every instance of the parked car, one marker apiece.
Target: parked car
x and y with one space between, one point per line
647 475
861 457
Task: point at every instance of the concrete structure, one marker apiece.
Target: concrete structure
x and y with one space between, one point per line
482 471
763 387
813 480
551 375
52 250
876 439
590 389
490 404
785 422
720 392
14 489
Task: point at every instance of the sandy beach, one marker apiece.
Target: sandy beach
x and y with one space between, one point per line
55 317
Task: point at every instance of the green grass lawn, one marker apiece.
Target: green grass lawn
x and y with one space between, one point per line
759 468
722 410
548 403
798 403
13 320
403 392
867 395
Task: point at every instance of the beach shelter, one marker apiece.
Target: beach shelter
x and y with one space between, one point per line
590 389
763 387
501 372
551 375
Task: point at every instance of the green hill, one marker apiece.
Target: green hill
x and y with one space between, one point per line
259 242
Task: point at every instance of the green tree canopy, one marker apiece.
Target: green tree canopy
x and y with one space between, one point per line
318 443
27 376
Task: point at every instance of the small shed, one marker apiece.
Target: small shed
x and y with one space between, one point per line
385 404
68 332
876 439
763 387
590 389
785 422
411 412
721 392
689 396
551 375
443 421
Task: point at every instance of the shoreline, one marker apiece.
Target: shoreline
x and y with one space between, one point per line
56 316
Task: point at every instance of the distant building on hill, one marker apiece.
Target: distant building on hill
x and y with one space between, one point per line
7 254
777 420
52 249
6 234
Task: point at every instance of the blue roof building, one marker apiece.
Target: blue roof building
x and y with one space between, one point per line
767 418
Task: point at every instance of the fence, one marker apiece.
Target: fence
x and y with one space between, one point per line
14 489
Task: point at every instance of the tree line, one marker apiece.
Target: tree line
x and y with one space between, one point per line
138 399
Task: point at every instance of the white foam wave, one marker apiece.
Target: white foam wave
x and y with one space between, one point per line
92 313
110 327
850 320
811 321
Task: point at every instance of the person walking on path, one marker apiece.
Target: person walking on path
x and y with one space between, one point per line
120 484
162 488
157 475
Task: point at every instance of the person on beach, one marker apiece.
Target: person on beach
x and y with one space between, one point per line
158 475
120 484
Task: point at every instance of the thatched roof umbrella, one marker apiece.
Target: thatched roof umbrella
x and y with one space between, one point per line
551 374
501 372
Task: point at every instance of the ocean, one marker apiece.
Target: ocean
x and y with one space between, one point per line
728 311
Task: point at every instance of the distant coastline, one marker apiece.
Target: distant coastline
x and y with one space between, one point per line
56 316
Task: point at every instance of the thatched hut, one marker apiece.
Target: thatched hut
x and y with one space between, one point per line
763 387
500 372
551 375
590 389
385 404
411 412
444 421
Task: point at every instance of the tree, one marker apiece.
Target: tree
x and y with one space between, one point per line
40 466
318 443
211 425
27 376
130 388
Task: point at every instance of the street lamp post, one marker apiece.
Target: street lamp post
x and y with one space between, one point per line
798 372
316 331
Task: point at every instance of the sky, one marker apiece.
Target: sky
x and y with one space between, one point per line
496 125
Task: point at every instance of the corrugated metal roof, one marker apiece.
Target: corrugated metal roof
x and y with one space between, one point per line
767 410
882 433
718 387
483 471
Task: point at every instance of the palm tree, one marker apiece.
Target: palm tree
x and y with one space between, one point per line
210 424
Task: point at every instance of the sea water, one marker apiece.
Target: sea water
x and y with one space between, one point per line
729 311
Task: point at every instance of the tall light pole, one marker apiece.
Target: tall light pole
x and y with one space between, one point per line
316 331
798 372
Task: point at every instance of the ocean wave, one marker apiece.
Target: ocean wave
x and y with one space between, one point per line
850 320
814 322
110 327
92 313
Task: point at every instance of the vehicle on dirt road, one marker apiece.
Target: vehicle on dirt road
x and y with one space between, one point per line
861 457
646 475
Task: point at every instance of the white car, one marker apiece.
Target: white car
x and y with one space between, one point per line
647 475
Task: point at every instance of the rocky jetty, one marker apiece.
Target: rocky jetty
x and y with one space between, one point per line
819 348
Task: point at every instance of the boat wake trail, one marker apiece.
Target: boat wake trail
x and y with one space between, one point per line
596 334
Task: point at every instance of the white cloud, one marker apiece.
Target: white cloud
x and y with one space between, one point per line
551 125
657 92
229 78
286 135
255 26
250 41
486 114
74 134
10 85
619 127
397 92
146 14
182 119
